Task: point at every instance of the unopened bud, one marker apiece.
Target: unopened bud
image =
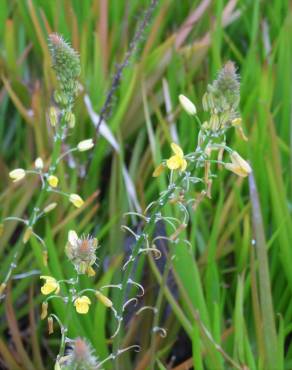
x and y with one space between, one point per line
39 164
50 325
2 288
70 119
44 312
85 145
187 105
53 115
50 207
103 299
45 258
27 235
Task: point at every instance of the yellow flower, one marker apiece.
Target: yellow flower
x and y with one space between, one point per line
17 174
53 181
82 304
51 285
76 200
177 161
239 166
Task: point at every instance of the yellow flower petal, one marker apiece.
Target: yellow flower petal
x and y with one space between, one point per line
177 149
82 304
51 285
183 165
53 181
174 162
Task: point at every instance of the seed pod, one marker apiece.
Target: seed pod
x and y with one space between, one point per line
44 312
27 235
50 325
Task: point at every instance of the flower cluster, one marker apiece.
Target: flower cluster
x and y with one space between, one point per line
222 101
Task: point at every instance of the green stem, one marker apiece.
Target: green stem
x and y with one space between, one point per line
20 245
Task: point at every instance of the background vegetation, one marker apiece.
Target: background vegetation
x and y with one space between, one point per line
216 306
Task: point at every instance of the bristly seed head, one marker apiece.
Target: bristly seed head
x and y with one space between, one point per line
79 356
81 252
66 64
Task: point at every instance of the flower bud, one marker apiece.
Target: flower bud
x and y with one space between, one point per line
44 312
103 299
27 235
187 105
45 258
2 288
50 207
76 200
70 119
53 116
60 98
53 181
39 164
17 174
158 170
85 145
50 325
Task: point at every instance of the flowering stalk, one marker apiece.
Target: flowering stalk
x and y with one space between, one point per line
66 64
221 101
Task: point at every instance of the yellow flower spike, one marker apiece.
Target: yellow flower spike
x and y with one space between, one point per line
44 312
53 181
239 166
76 200
90 271
17 174
51 285
103 299
158 170
177 161
82 304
